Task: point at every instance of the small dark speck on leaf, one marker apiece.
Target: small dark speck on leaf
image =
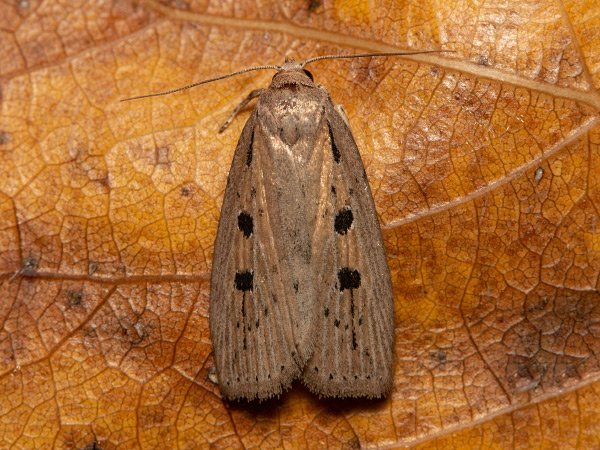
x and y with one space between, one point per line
93 446
75 298
313 5
483 61
28 267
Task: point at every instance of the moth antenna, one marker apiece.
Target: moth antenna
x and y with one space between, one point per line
203 82
364 55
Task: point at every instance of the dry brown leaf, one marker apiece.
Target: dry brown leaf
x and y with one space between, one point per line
485 167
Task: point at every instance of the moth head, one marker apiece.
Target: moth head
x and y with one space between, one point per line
292 73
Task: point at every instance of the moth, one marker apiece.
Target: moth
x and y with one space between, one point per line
300 285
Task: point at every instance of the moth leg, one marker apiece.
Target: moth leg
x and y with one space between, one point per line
255 93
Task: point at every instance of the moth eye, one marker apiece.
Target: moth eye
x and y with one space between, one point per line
309 75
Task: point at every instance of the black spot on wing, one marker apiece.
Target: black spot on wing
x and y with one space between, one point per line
243 280
249 154
334 149
245 223
343 220
349 278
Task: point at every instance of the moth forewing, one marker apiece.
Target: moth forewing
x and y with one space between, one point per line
354 350
263 328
